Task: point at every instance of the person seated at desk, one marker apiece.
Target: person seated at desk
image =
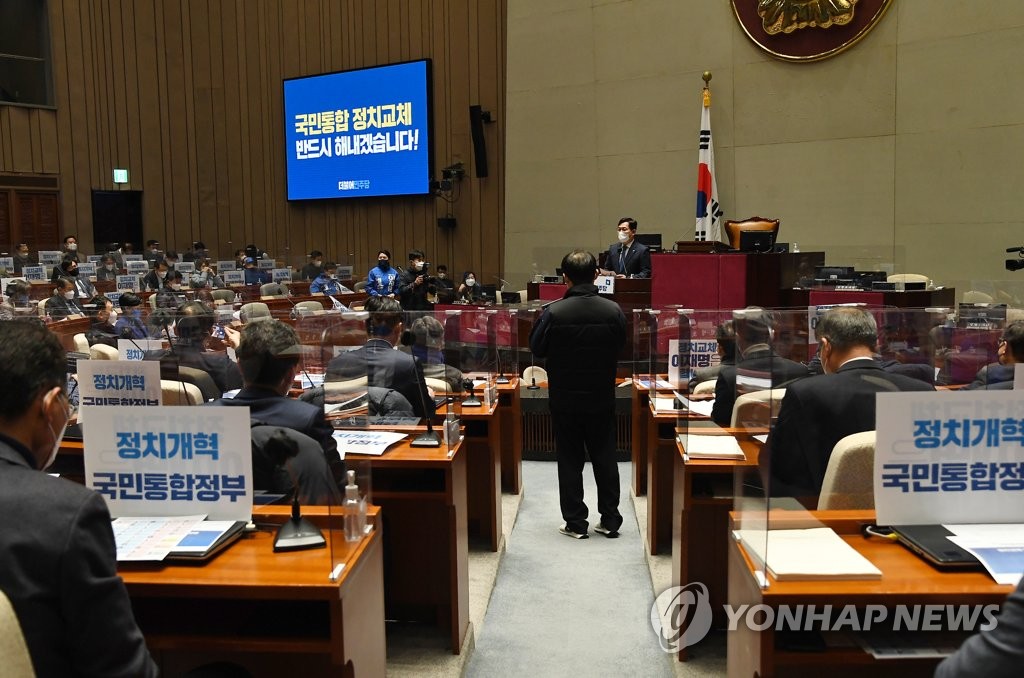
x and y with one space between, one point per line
995 653
152 252
102 318
445 286
154 280
268 357
252 274
129 323
819 411
314 267
628 258
327 282
377 360
18 306
469 291
756 361
63 302
429 350
107 270
999 376
68 268
60 569
194 330
725 337
23 258
204 277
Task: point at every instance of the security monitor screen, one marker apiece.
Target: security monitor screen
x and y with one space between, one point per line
358 134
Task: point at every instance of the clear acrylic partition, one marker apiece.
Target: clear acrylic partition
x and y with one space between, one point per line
644 335
503 331
477 361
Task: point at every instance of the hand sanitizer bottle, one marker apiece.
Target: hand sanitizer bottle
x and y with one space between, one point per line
353 531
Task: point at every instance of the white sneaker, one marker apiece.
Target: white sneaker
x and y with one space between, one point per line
611 534
564 529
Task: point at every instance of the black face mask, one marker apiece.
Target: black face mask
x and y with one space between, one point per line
383 265
73 273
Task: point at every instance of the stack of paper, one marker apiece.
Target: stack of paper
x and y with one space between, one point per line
711 446
702 407
1000 548
812 554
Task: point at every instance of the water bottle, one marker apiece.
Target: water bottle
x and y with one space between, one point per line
353 532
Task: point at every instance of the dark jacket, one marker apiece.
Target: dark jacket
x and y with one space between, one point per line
218 365
413 297
761 364
637 263
993 377
384 367
58 308
996 653
60 573
580 337
818 412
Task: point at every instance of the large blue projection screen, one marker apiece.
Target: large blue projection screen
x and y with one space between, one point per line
360 133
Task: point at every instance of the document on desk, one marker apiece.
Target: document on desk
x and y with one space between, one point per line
1000 548
660 383
711 446
151 538
701 407
373 443
808 555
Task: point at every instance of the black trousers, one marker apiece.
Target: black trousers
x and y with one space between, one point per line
577 434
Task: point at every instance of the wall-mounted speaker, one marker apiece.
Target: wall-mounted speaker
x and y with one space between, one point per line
477 118
446 222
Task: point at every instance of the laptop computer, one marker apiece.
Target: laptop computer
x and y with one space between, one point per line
930 542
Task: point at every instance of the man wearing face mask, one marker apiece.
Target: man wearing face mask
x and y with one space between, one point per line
313 269
63 302
155 279
70 247
107 270
59 570
152 251
819 411
628 258
22 258
17 306
382 280
68 268
102 316
129 323
414 284
327 282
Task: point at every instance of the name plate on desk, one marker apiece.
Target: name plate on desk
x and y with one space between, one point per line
33 273
128 283
170 461
118 383
281 274
949 457
136 349
233 277
605 284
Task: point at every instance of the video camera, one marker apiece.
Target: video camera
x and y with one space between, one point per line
1018 263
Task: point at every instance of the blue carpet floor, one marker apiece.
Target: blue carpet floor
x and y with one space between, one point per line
568 607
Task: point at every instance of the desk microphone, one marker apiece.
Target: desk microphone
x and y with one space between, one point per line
296 533
533 377
428 438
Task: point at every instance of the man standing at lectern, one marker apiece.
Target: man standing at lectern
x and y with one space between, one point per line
581 335
628 258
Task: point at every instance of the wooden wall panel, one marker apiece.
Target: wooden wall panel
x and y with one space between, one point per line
187 95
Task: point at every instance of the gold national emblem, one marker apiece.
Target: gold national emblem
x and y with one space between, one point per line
786 16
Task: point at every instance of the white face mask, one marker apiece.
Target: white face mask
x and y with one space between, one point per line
175 286
57 439
418 266
109 267
72 247
70 294
113 317
623 236
470 282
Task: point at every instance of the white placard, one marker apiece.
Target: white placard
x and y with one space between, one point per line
136 349
115 298
224 266
234 277
266 264
4 282
282 275
93 258
365 442
49 257
33 272
132 257
605 284
128 283
118 383
171 461
344 272
87 268
185 267
674 360
7 263
949 457
136 266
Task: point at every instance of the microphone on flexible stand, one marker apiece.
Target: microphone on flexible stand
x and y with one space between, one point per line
296 533
533 378
502 379
428 438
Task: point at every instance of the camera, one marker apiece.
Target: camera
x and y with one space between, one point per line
1014 264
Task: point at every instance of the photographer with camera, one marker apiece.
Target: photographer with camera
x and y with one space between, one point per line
416 287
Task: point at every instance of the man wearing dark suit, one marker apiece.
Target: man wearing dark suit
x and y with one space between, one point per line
377 360
999 376
59 569
155 279
819 411
193 329
268 357
63 302
995 653
628 258
757 366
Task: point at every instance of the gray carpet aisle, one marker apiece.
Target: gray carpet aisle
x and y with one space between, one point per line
569 607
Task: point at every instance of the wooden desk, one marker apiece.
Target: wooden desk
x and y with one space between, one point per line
249 601
68 328
422 495
906 580
510 412
482 440
702 496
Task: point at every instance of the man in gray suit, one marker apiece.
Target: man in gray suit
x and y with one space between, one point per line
996 653
59 569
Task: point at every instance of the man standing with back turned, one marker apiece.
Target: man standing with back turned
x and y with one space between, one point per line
581 335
